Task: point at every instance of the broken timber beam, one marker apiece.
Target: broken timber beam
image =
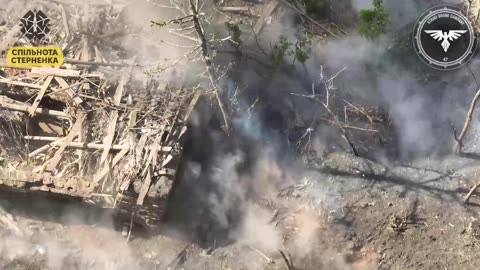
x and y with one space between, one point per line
145 187
52 163
114 116
68 89
39 97
106 169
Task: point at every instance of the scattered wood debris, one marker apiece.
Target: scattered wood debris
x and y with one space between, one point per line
473 229
397 224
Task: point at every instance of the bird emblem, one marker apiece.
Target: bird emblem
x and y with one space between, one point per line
451 35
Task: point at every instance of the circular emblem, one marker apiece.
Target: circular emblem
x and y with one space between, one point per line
444 38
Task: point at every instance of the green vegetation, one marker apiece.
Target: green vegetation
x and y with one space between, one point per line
235 33
373 23
280 50
284 48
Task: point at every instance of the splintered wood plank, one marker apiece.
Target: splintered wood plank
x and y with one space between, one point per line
189 111
140 147
40 94
144 189
106 169
57 72
108 140
52 163
152 157
191 106
68 90
132 119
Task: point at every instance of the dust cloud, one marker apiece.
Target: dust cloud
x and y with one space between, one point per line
232 188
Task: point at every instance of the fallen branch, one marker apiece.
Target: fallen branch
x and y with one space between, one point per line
233 9
288 262
474 188
466 125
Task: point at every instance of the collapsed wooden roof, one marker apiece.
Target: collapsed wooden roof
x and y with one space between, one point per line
94 128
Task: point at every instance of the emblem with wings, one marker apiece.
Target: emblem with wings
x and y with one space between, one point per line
451 35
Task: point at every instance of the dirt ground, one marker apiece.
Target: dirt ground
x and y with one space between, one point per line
367 216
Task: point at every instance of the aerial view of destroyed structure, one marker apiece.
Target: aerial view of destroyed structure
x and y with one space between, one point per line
239 134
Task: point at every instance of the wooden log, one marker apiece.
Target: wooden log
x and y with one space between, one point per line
44 148
57 141
31 85
39 97
6 103
233 9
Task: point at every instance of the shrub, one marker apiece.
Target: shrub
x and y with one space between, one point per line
373 23
283 48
